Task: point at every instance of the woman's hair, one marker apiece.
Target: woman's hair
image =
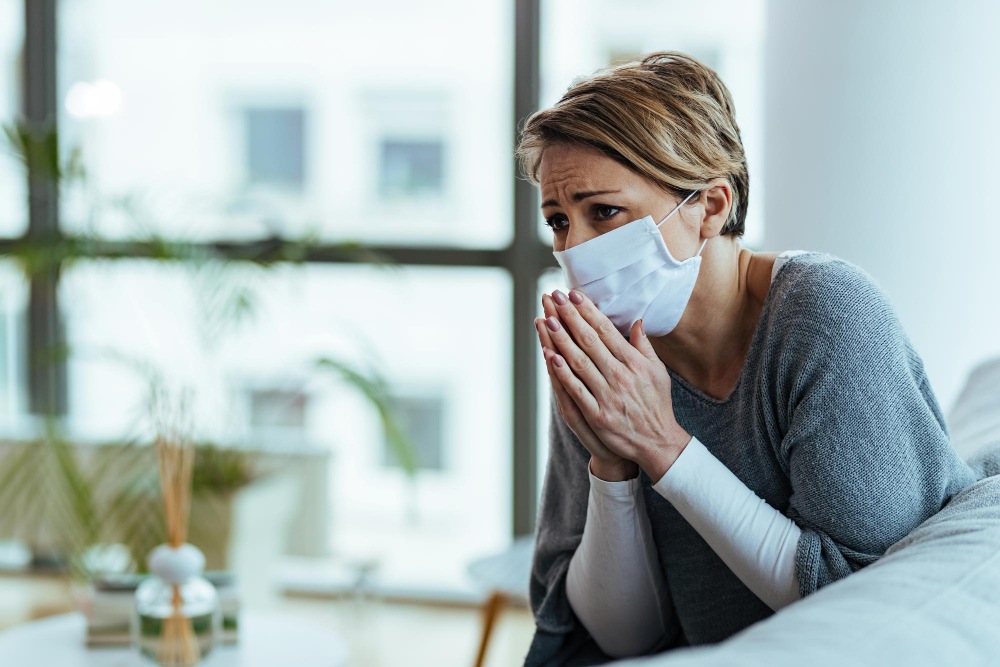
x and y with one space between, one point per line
666 116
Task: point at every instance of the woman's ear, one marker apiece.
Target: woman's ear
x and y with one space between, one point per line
717 198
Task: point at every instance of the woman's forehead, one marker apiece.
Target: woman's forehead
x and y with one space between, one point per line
570 171
561 159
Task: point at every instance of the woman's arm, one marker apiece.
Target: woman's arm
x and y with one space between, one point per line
572 497
757 542
865 443
562 520
615 583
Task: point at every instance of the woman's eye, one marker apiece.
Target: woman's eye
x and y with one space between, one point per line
555 222
602 211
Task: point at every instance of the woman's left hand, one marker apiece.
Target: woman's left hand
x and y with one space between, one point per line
621 386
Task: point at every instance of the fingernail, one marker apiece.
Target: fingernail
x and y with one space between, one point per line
559 297
642 327
552 322
558 361
575 297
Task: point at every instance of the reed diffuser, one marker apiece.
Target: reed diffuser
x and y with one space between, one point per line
177 618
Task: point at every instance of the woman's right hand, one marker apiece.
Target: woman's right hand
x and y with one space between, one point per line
605 464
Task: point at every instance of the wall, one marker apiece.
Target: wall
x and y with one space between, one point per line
881 144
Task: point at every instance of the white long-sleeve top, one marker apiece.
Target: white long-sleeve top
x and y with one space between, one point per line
615 583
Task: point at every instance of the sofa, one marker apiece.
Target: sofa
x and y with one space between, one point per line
933 598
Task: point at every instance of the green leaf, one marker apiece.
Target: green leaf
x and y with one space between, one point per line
375 389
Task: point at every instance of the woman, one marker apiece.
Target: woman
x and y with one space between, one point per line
731 431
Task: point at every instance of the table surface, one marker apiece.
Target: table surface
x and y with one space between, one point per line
265 639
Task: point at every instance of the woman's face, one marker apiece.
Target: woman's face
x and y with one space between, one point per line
585 194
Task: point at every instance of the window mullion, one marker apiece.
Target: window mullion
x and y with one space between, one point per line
45 337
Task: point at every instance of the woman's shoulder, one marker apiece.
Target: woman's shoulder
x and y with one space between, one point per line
831 322
817 269
817 294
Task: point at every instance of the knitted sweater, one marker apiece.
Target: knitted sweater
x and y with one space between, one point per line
832 421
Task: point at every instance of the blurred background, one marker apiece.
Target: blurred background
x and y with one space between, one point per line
309 213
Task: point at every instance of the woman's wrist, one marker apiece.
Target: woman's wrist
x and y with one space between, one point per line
657 459
614 470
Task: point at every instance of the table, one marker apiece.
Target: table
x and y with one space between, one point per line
266 640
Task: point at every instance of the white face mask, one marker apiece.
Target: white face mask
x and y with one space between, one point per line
629 274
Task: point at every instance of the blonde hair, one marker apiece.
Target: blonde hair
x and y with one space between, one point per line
666 116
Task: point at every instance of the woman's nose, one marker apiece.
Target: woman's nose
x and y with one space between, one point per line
577 234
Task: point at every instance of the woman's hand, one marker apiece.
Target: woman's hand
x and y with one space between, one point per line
619 387
605 464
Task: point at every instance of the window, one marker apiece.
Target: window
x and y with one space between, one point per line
275 146
337 138
421 416
13 191
410 129
13 222
129 319
278 408
13 370
411 168
240 124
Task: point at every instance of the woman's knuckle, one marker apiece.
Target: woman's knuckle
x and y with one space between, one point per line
606 327
580 362
635 362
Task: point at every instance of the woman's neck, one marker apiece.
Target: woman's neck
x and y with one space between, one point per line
709 345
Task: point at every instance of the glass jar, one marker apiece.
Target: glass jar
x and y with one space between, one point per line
176 619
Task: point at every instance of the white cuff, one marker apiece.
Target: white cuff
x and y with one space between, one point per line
624 489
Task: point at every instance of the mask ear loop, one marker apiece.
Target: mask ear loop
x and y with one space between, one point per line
701 248
675 210
676 207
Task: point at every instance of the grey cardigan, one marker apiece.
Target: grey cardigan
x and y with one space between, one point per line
832 421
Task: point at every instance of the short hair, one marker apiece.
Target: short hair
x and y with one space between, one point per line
666 116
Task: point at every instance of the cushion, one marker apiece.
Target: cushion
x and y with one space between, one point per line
933 598
974 419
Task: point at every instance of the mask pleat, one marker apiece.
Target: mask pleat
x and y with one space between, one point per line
610 252
669 310
601 291
624 309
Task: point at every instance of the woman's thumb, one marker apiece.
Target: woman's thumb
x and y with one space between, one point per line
639 341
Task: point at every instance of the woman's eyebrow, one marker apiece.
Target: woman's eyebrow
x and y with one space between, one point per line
580 196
